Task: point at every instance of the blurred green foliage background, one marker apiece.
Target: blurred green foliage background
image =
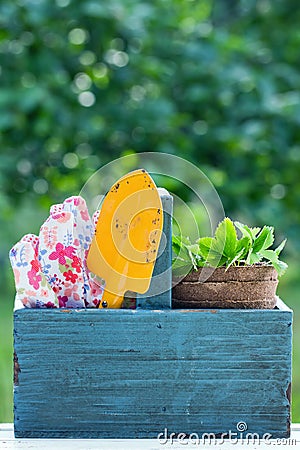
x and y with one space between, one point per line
82 83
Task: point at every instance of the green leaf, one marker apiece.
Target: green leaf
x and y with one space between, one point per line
249 256
176 244
271 256
194 255
254 231
247 231
242 246
205 246
180 241
216 258
176 240
255 258
185 240
209 250
179 247
216 261
181 266
280 247
281 267
187 254
236 258
225 238
193 248
183 254
264 240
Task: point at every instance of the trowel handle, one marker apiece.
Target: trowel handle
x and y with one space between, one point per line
111 300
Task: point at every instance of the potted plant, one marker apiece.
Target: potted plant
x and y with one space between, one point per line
228 271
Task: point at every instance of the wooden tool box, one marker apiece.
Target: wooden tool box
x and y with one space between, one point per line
137 373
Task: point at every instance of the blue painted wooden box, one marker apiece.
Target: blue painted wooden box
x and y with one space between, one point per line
135 373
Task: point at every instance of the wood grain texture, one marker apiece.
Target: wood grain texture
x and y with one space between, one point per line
132 373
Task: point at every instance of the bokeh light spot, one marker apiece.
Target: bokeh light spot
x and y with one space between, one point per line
40 186
86 99
83 81
24 166
87 58
70 160
200 127
278 191
78 36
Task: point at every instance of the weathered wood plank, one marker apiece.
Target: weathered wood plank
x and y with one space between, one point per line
127 374
159 294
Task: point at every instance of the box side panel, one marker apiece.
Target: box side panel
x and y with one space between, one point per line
135 374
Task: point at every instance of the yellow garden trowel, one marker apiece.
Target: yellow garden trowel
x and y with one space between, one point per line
128 232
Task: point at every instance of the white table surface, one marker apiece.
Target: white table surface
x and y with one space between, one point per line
7 441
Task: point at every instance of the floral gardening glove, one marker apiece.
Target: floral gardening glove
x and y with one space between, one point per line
84 230
59 249
57 260
32 288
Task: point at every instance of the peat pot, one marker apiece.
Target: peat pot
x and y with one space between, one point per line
237 287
